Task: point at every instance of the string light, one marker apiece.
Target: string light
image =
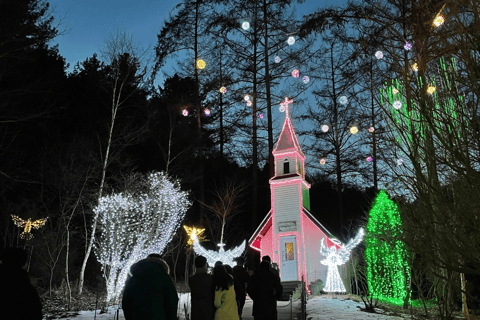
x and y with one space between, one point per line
27 225
438 21
369 159
291 40
226 256
385 254
207 112
334 258
260 115
134 224
431 89
201 64
395 91
407 46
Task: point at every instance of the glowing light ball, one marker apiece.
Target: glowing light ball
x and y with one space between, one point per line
249 103
431 89
281 108
245 25
291 40
354 130
201 64
370 159
246 98
438 21
185 112
407 46
322 161
277 59
371 129
415 67
395 91
207 112
306 79
379 55
325 128
343 100
223 90
397 105
295 73
260 115
399 162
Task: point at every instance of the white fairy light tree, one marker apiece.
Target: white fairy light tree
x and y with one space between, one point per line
334 258
134 224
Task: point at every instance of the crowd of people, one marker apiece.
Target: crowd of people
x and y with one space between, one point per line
150 293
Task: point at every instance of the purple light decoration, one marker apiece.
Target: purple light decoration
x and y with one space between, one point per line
407 46
260 115
185 112
399 162
207 112
370 159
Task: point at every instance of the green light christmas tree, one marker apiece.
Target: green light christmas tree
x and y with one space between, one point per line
388 271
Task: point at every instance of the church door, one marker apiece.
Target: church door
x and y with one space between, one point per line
288 248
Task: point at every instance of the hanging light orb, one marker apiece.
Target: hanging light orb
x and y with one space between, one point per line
379 55
306 79
291 40
277 59
185 112
201 64
322 161
371 129
246 98
223 90
281 108
325 128
407 46
369 159
295 73
415 67
399 162
353 130
249 103
431 89
438 21
397 105
245 25
207 112
395 91
343 100
260 115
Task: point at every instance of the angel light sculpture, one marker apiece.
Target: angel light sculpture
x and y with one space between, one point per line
213 256
334 258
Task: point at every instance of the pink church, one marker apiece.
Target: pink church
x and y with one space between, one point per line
289 233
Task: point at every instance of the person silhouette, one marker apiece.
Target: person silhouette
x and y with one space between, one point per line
18 297
225 301
240 279
201 291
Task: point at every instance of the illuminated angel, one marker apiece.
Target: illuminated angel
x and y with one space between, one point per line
213 256
193 232
27 225
334 258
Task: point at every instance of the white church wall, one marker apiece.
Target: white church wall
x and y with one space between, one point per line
287 208
312 237
280 160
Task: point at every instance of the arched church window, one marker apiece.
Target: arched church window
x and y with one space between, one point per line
286 166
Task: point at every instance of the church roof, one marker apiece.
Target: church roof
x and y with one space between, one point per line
287 141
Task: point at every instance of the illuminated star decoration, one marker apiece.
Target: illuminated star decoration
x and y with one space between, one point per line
193 233
334 258
284 105
27 225
213 256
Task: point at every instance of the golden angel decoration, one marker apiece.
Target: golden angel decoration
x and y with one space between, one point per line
193 232
27 225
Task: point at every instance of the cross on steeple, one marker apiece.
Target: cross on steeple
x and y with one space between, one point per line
284 106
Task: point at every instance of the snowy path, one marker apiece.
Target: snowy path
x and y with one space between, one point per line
318 308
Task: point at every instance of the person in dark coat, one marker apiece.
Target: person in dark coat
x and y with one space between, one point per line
149 292
272 269
240 278
264 288
19 300
202 292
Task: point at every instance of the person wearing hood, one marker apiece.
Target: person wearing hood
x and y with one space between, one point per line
149 292
264 288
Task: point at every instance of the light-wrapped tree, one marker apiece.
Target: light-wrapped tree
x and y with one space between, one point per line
136 223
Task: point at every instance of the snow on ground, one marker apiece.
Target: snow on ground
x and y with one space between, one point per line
318 308
327 308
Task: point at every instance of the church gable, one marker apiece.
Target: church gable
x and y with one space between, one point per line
287 140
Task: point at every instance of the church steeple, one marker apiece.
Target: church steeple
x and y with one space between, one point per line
289 158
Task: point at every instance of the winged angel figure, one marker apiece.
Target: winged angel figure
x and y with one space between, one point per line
213 256
334 258
27 225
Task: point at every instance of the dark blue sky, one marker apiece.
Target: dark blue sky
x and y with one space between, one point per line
88 23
